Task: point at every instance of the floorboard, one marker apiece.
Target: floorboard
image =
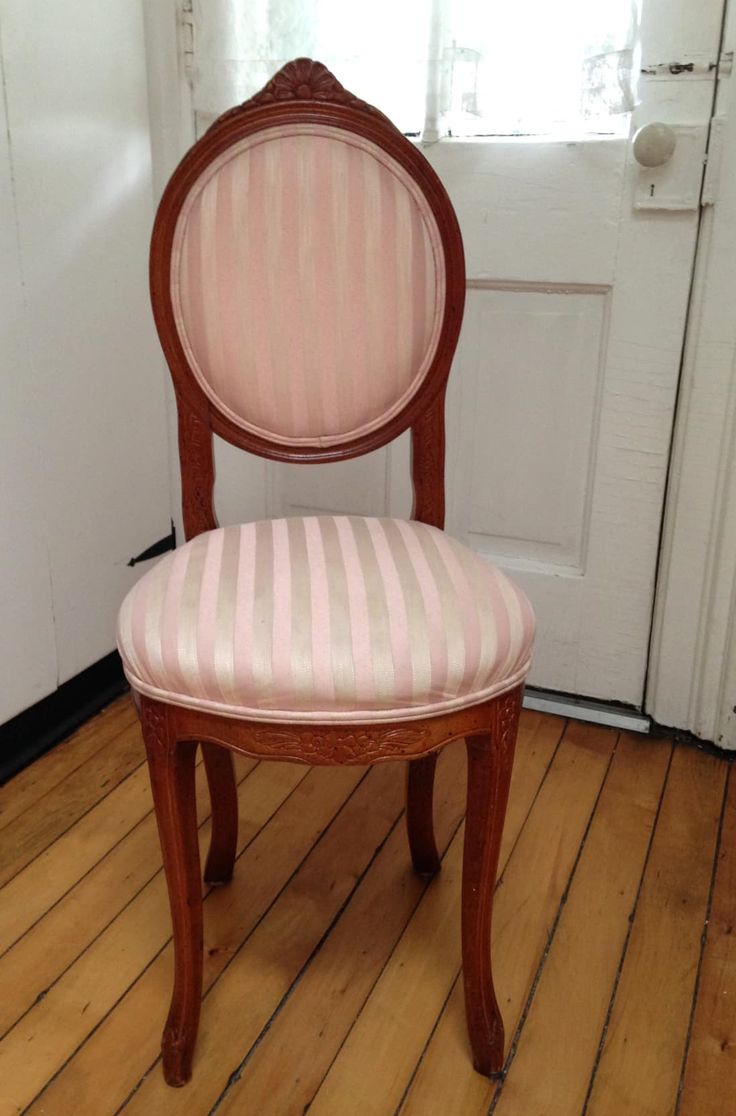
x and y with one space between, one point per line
712 1048
332 972
644 1039
554 1062
53 813
30 968
527 901
33 782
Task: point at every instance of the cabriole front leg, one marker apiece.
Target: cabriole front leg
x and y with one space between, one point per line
220 769
490 759
171 767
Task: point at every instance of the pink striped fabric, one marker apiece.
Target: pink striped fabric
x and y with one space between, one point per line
307 280
332 618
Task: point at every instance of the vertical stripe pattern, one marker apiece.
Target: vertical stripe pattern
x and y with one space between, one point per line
325 618
307 282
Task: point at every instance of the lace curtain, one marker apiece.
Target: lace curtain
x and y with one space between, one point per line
435 67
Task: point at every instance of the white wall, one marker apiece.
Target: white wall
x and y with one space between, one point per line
83 456
26 622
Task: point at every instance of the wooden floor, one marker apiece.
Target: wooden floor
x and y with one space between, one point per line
331 972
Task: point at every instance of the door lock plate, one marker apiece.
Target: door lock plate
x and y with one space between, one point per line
676 184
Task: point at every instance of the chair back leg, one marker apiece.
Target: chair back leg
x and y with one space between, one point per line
220 770
171 767
419 819
490 759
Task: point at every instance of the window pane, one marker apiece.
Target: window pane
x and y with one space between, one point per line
527 67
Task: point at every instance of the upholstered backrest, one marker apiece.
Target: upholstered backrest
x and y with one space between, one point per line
308 284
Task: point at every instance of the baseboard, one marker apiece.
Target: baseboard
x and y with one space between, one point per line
36 730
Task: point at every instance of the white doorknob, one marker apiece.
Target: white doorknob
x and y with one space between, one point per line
654 144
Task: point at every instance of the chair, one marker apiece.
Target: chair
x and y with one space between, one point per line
307 281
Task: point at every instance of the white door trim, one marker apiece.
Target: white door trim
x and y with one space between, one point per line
171 120
692 672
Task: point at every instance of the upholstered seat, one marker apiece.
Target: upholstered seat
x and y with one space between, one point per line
327 618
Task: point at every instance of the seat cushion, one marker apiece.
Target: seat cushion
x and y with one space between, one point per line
329 618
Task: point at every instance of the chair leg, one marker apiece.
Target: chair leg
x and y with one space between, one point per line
171 767
218 763
490 759
419 824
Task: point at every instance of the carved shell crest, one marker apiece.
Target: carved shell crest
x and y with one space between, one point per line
305 80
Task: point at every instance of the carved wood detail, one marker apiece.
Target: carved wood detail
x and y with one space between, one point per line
301 80
154 718
345 746
328 743
505 721
307 80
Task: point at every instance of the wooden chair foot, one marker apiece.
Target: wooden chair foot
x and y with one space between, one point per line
177 1056
490 759
489 1061
419 823
220 771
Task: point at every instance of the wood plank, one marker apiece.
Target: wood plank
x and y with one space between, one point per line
710 1072
51 816
639 1068
48 771
87 990
125 1045
25 898
395 1021
31 966
526 904
292 1057
559 1043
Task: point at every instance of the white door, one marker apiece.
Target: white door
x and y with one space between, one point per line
562 396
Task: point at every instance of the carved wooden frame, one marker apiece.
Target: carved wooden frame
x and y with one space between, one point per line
305 92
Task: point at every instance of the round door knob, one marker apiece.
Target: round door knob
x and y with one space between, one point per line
654 144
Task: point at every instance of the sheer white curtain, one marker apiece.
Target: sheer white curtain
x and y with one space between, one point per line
435 67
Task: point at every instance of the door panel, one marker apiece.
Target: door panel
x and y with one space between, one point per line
526 438
563 391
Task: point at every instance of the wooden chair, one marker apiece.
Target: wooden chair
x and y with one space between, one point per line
307 281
